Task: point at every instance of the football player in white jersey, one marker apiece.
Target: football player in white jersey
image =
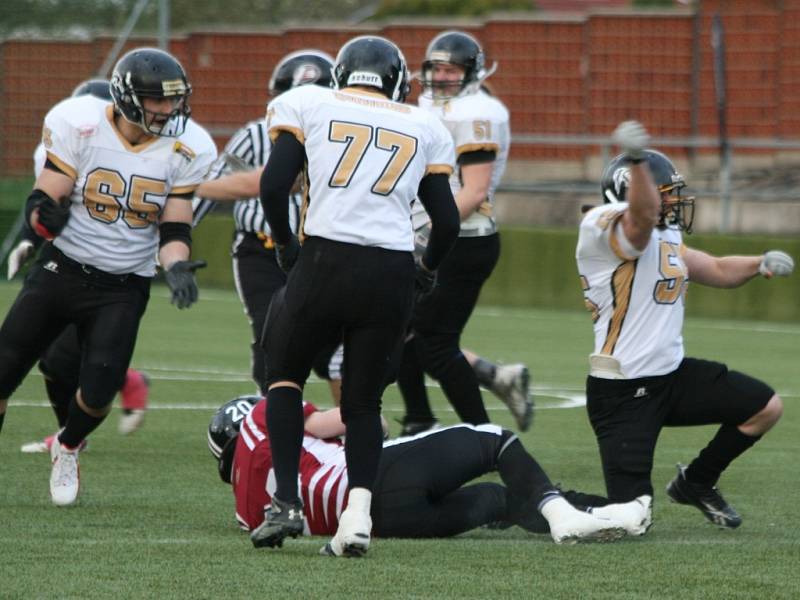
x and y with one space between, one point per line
60 364
634 270
116 190
235 177
452 74
366 156
423 486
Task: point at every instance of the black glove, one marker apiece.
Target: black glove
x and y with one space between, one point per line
53 216
424 282
286 254
181 281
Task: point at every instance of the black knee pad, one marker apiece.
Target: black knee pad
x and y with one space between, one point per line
100 382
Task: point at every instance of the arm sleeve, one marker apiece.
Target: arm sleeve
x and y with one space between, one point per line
477 157
437 198
285 161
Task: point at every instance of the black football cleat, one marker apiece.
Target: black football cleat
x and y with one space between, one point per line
706 498
281 520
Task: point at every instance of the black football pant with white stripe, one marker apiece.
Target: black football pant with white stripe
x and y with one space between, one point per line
423 486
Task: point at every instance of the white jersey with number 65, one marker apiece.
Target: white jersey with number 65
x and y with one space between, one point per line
366 156
120 190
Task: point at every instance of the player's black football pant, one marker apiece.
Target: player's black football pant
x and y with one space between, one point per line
437 325
257 277
628 415
105 308
61 367
422 486
362 295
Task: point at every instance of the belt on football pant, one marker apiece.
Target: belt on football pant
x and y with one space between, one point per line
266 240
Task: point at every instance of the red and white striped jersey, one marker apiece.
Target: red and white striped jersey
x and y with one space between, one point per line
323 475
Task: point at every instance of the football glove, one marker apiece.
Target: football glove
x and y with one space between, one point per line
181 282
19 256
286 254
633 138
776 262
52 218
424 281
421 237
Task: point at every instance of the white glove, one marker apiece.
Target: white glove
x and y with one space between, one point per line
19 255
632 137
776 262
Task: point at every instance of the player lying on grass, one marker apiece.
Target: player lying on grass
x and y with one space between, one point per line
423 487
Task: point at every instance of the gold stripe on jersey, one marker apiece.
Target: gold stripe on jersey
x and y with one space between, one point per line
275 131
475 147
613 241
68 170
438 170
184 189
304 206
128 146
590 306
621 290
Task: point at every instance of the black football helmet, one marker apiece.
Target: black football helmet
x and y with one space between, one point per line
300 68
454 48
224 429
151 73
677 212
99 88
375 62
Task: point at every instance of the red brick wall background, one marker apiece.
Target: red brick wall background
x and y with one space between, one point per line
558 74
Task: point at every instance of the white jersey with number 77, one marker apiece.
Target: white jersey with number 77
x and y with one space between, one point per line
366 156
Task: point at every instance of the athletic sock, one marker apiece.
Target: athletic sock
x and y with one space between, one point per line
285 423
78 426
2 418
60 397
523 476
726 445
362 449
485 372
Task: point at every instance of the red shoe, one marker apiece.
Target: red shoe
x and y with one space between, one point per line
134 395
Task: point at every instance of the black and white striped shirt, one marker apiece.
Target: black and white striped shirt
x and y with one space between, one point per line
247 149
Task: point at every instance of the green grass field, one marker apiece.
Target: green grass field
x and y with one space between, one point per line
154 521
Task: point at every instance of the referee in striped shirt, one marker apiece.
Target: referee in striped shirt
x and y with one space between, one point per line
235 177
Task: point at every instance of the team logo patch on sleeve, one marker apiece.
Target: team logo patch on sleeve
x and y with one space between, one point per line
184 151
47 137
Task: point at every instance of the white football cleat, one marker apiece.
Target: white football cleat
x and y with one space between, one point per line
512 385
352 537
355 525
635 516
130 421
43 446
65 475
568 525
